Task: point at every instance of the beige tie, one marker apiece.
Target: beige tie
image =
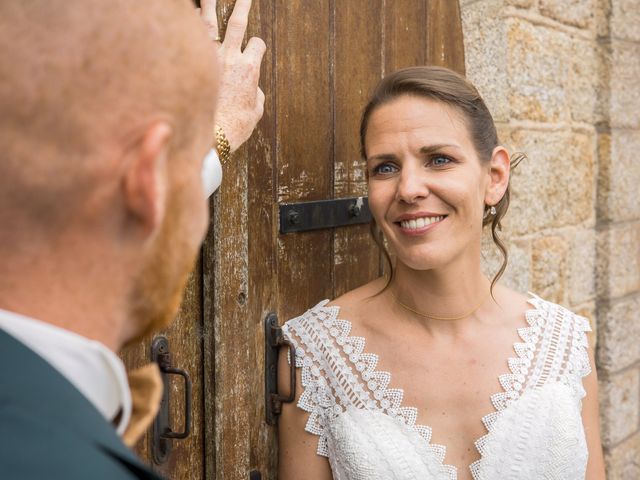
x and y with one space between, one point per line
146 393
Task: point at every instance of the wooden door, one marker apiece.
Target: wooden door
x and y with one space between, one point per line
185 338
324 57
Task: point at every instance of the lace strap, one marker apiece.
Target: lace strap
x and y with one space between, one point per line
563 347
323 349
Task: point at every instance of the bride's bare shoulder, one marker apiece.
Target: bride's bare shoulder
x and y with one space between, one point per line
358 301
511 301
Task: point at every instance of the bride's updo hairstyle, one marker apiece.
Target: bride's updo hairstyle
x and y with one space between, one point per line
444 85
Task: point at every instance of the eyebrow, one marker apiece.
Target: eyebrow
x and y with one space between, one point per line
424 150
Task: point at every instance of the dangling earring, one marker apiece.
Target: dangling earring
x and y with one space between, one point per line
491 211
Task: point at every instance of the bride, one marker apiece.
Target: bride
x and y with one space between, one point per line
434 371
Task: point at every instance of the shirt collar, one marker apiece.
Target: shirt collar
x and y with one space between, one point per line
92 368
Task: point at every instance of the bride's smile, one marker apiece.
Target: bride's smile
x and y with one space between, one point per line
418 223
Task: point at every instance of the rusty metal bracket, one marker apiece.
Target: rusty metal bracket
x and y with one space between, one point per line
273 340
321 214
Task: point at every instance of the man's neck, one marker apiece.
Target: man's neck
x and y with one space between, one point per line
84 303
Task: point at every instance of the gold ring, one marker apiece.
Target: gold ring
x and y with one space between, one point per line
217 39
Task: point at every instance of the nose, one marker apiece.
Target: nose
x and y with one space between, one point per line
412 186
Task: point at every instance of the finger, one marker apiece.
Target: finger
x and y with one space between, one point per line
255 51
208 13
237 25
260 98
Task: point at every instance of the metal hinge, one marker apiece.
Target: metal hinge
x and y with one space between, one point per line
321 214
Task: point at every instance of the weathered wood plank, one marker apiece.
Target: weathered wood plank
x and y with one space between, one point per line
208 356
304 109
404 34
230 323
358 66
226 320
184 337
263 222
185 341
445 44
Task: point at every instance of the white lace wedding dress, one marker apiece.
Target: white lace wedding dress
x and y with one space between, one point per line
366 432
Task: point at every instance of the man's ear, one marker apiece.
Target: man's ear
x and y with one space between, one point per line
499 171
145 178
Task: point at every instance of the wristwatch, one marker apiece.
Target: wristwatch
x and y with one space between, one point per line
222 145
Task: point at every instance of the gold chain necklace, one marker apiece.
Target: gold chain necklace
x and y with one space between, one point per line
436 317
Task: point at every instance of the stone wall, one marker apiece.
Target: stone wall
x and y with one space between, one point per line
562 78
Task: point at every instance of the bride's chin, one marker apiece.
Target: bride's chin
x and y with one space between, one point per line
417 262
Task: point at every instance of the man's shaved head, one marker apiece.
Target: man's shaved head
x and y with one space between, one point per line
77 80
106 112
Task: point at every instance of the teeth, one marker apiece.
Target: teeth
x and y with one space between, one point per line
420 222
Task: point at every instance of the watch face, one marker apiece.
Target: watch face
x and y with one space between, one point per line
211 173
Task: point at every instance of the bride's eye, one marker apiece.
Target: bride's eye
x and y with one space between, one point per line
385 169
440 160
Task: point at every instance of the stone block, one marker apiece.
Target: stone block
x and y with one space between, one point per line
602 14
465 3
517 276
582 266
585 80
618 333
553 76
504 132
625 84
603 82
484 31
625 19
555 185
578 13
539 62
623 461
619 406
619 175
520 3
619 260
549 256
605 166
491 258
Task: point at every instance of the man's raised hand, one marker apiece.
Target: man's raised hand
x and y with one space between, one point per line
241 101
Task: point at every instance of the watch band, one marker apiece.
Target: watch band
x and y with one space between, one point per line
222 145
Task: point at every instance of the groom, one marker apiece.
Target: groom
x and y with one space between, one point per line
106 114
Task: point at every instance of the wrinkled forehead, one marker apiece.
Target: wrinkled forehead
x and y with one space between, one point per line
414 121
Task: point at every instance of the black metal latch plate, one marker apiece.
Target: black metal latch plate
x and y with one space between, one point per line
304 216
